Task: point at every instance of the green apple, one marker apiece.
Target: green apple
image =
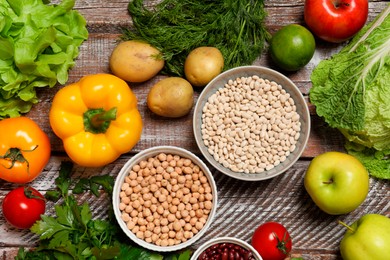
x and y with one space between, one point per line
337 182
368 238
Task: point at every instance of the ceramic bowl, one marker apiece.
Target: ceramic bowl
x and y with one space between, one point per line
118 192
268 74
220 240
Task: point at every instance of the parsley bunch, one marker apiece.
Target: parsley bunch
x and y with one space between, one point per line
74 234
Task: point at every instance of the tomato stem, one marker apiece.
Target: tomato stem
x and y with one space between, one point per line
15 154
29 193
281 245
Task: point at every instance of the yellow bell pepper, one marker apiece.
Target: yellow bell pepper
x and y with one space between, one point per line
97 119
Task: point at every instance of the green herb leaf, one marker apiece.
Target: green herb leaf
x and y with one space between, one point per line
176 27
47 227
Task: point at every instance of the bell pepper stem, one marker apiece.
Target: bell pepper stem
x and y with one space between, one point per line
98 120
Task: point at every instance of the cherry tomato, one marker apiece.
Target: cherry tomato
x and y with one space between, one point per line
272 241
24 150
23 206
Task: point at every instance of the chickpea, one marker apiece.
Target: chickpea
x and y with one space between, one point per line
129 191
150 226
162 198
142 228
157 230
181 179
187 227
177 225
171 234
173 209
171 241
188 234
166 213
130 225
122 206
164 164
135 229
171 218
147 203
154 237
129 209
199 225
178 170
164 242
164 222
165 229
169 157
125 217
199 213
208 205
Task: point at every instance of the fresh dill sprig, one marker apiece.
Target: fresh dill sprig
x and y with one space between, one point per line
176 27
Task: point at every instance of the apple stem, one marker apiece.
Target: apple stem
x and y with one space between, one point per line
328 182
340 4
345 225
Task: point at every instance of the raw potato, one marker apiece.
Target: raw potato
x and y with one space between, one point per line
135 61
202 65
171 97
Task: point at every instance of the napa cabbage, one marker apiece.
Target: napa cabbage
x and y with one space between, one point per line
351 91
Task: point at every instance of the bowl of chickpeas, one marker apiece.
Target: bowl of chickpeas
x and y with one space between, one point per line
164 198
251 123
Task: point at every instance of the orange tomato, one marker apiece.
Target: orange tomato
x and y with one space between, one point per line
24 150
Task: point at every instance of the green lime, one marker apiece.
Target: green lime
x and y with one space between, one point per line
292 47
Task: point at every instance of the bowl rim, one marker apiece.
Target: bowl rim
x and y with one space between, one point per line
147 153
244 71
225 239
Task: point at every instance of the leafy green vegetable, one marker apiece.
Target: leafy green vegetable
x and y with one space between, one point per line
176 27
38 45
351 91
73 233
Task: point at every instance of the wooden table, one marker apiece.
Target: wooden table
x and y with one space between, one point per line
242 205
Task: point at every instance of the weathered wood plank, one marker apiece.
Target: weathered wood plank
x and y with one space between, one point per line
242 205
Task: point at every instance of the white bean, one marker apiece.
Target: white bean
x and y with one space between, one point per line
250 125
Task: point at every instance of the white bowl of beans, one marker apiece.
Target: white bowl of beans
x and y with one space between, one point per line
226 248
164 198
251 123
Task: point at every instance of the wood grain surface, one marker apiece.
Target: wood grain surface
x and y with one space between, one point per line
242 205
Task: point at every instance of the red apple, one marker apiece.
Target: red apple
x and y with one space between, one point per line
335 20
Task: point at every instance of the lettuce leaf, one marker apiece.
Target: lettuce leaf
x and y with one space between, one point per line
38 46
351 92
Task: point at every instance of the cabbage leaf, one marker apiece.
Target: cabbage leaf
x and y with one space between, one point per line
351 92
38 45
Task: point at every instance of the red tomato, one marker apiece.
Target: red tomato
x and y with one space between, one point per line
24 150
272 241
23 206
